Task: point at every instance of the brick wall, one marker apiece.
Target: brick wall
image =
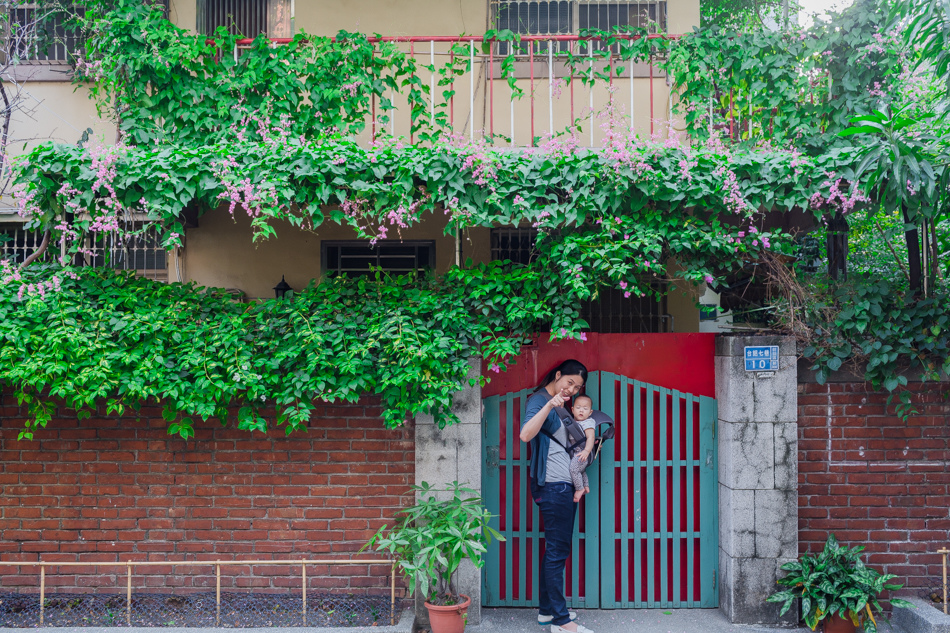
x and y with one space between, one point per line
874 479
109 488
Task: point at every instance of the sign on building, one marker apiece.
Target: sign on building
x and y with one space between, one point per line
761 358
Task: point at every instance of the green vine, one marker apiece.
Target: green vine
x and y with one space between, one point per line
203 128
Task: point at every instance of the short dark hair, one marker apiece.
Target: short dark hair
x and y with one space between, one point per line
583 397
569 367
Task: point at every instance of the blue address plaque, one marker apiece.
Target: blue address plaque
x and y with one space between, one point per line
761 358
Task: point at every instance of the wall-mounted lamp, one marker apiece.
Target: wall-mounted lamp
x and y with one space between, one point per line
281 289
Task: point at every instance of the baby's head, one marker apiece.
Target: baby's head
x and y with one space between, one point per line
582 407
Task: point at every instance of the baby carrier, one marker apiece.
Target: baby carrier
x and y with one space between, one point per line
575 434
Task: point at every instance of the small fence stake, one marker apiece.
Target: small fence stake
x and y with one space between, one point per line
303 578
944 552
128 595
392 596
217 595
43 590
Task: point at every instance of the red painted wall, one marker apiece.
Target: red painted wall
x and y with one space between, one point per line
675 361
110 488
874 479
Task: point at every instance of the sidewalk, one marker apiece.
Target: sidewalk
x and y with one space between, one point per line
623 621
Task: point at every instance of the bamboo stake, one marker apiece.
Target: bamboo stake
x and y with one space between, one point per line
217 594
212 562
944 552
303 578
392 596
128 595
43 591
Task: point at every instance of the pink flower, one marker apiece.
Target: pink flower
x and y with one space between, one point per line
626 295
709 279
623 285
495 368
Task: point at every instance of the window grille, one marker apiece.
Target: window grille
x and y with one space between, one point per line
610 313
240 17
516 245
530 17
355 258
142 253
17 244
43 34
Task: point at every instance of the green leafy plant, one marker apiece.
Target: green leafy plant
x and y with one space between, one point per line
443 528
835 582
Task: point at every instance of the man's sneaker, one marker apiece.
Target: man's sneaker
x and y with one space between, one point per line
560 629
546 619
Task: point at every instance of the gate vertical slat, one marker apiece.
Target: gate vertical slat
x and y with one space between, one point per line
648 512
676 532
535 537
509 494
524 503
608 491
592 513
690 506
638 523
664 522
709 501
491 485
625 461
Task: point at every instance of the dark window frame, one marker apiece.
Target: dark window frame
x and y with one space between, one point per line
330 263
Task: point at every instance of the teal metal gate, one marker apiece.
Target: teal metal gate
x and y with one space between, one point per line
648 533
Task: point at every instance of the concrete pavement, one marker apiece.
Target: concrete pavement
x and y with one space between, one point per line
623 621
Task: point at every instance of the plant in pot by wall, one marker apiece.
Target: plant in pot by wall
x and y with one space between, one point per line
431 540
836 589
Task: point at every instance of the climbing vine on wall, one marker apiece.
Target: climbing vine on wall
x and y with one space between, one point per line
203 128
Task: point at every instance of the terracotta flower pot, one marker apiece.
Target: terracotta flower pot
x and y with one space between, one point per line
449 619
837 624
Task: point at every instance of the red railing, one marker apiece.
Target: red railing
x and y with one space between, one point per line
487 62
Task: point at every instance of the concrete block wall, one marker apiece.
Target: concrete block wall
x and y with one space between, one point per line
454 454
758 500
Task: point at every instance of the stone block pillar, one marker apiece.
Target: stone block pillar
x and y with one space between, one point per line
454 454
758 478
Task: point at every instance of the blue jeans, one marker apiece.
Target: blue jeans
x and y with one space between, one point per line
556 501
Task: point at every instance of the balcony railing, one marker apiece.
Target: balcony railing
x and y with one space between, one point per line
532 99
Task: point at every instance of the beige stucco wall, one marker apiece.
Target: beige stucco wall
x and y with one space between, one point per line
220 251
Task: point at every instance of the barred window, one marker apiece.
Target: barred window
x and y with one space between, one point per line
42 33
610 312
247 18
358 257
565 17
140 252
515 245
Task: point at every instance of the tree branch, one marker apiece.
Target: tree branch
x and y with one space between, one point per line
38 252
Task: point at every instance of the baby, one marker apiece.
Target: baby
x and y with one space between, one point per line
582 410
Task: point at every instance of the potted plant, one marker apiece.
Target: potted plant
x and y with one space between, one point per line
430 542
836 589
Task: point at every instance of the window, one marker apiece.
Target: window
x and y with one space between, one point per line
529 17
248 18
16 244
355 258
516 245
611 312
42 33
141 253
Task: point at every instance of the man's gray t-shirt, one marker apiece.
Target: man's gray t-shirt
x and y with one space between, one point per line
559 462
